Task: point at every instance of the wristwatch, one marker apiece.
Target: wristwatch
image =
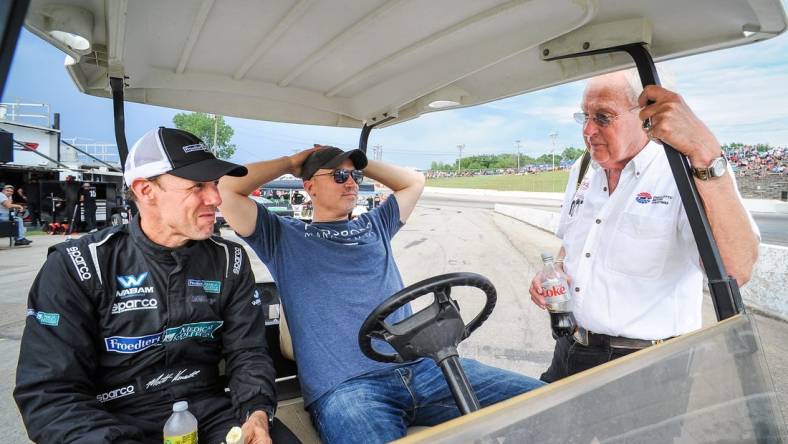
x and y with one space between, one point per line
716 168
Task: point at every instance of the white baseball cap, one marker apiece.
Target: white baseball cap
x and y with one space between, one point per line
176 152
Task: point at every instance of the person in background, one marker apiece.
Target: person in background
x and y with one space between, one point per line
87 198
6 207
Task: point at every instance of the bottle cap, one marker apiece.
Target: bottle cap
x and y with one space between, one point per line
180 406
547 257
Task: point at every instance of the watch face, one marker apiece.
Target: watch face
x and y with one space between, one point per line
718 167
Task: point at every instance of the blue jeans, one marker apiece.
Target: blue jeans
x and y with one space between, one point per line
380 406
20 227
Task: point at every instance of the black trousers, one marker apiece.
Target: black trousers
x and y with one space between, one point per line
658 394
215 416
90 217
570 357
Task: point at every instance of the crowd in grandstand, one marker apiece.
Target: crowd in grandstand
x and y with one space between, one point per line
748 161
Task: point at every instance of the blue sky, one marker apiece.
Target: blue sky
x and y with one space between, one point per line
741 93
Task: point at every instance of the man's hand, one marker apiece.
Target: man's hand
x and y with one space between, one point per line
673 121
536 291
297 160
256 429
536 286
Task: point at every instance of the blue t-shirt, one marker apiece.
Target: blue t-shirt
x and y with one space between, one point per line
331 275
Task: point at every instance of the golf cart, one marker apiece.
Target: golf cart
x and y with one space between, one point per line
372 64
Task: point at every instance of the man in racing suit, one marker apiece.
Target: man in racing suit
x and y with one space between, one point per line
124 322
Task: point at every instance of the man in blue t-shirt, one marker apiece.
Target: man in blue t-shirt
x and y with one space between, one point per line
331 274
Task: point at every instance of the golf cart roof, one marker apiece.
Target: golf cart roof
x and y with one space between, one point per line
349 62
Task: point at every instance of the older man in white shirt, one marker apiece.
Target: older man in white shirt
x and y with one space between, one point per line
627 247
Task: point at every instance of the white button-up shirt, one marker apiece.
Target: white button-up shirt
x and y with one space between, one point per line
631 254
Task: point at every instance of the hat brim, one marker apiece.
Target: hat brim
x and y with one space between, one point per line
356 156
209 170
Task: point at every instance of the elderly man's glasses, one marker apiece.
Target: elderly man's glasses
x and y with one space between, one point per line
602 120
342 175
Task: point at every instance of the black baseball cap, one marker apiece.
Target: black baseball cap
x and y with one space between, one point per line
176 152
330 157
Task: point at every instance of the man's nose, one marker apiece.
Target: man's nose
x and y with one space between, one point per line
211 195
590 128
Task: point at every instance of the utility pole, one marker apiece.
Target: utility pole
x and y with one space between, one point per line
554 136
517 142
460 147
215 131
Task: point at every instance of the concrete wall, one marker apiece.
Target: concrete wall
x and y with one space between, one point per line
767 291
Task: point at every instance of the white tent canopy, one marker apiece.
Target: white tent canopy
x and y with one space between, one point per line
347 62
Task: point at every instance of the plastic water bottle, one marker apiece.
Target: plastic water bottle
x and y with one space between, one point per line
181 428
559 302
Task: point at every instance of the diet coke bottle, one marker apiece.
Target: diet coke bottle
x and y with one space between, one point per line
559 302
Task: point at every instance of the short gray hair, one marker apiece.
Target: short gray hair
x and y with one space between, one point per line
635 87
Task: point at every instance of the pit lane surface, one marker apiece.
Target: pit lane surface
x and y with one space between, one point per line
773 227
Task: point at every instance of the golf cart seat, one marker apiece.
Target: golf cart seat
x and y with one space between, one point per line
291 411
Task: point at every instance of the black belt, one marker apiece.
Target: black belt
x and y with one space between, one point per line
590 339
164 379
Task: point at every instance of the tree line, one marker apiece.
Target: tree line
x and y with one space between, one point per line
498 161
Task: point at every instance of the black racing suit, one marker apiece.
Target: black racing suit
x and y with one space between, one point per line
118 328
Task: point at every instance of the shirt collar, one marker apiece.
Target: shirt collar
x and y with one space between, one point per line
150 247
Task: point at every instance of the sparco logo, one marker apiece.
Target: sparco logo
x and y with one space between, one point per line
79 263
134 304
115 394
237 261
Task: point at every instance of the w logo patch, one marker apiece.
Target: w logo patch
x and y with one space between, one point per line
131 280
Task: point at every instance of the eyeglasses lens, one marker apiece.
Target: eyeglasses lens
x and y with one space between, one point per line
342 175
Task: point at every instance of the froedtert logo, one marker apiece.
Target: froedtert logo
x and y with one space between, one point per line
131 280
194 330
132 344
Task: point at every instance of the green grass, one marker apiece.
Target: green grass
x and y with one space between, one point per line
554 181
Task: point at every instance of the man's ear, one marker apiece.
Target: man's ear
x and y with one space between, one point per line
143 191
309 187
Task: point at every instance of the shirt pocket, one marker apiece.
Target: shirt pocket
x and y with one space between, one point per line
641 245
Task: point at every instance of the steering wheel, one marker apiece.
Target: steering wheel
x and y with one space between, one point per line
432 332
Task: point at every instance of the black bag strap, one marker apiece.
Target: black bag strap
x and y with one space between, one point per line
584 162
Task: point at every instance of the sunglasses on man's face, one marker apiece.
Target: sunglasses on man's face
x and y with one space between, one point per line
341 175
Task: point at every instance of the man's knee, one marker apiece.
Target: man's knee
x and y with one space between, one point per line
493 384
357 416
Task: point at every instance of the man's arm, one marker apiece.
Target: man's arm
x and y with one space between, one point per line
240 211
407 184
675 123
57 364
7 203
249 366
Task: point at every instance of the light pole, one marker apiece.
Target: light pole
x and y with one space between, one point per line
517 142
554 136
460 147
